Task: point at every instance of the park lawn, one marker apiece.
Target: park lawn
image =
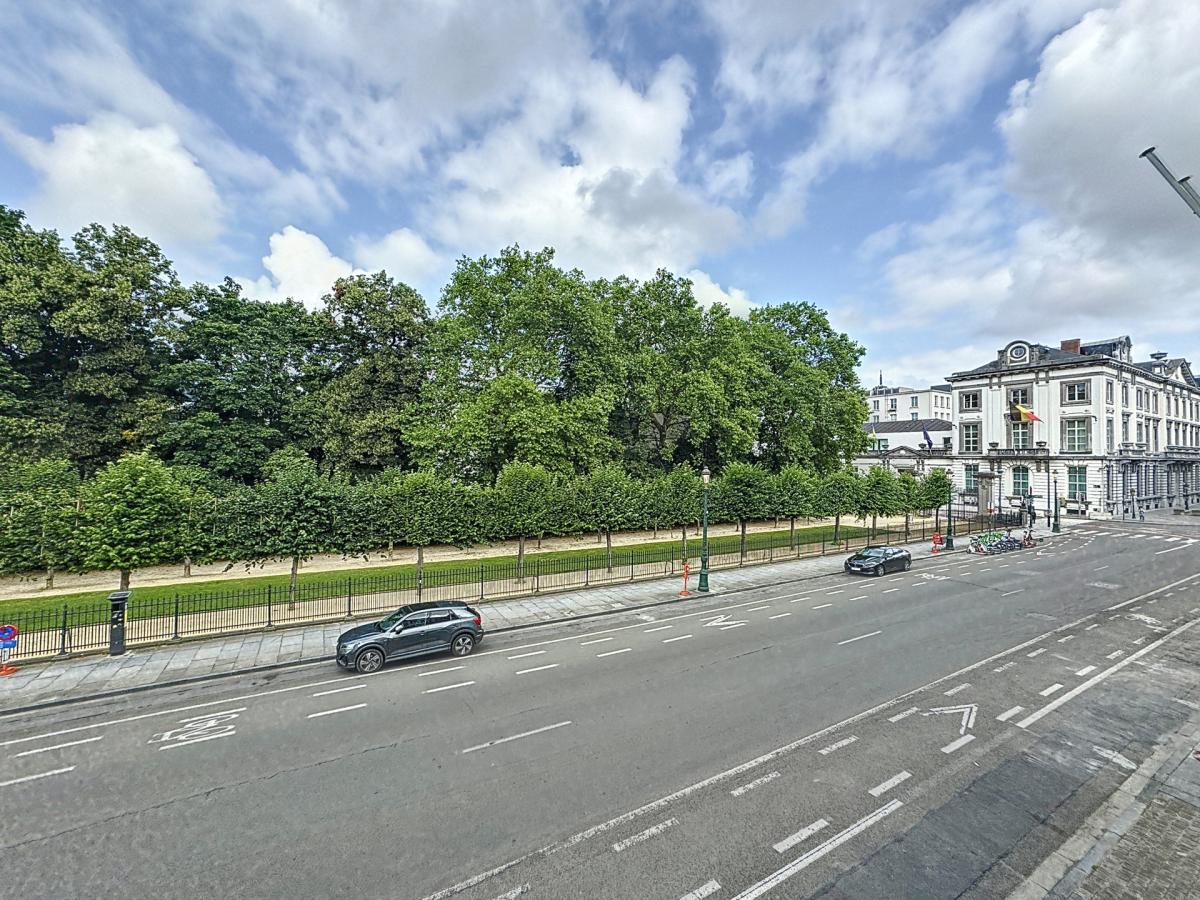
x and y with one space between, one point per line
248 590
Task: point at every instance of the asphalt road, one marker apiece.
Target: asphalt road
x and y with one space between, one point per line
835 736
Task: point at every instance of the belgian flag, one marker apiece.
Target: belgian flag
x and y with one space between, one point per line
1019 413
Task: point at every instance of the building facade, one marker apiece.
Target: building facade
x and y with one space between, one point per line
904 404
901 445
1114 435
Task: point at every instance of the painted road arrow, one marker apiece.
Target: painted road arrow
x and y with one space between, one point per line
722 621
968 714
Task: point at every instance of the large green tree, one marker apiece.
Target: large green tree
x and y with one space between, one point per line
39 518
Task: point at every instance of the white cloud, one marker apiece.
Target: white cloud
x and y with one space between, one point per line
402 253
707 292
110 170
729 177
299 266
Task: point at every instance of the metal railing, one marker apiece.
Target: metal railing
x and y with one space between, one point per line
83 627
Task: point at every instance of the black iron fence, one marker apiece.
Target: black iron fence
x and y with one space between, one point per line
83 627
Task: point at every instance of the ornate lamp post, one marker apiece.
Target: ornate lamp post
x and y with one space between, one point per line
950 516
1056 528
705 475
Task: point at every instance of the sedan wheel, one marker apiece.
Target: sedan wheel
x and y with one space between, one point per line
878 570
369 661
462 645
907 564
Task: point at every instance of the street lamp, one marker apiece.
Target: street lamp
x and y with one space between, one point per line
1057 527
950 516
705 475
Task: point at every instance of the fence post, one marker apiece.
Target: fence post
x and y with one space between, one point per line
175 635
64 635
349 598
631 564
587 569
270 610
822 544
481 573
537 574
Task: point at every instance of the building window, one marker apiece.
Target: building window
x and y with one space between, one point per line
915 401
1075 435
1108 391
1077 482
1108 434
1125 428
1140 438
969 432
881 443
874 418
969 401
892 403
914 417
874 404
1154 402
1154 431
1075 392
946 442
1020 479
1019 395
969 480
1124 395
1019 439
1139 399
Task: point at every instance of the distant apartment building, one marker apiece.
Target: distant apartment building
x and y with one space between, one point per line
1117 435
904 404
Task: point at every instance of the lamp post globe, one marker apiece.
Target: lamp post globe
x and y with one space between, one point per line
705 476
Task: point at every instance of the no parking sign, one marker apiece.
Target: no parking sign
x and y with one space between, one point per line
8 643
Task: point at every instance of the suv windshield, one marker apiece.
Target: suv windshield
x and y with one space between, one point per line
390 621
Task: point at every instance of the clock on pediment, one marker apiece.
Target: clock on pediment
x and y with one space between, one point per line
1018 352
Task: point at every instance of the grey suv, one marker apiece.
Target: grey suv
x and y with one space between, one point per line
413 630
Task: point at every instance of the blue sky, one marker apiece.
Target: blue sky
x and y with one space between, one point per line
942 177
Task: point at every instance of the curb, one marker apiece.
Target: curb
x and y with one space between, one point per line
296 663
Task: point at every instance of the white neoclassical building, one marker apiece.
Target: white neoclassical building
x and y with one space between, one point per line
905 404
1115 434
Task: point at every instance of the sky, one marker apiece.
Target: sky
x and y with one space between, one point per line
941 177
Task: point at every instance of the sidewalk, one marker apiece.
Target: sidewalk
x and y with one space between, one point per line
84 676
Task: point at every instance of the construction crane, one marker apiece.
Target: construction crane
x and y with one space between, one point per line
1182 185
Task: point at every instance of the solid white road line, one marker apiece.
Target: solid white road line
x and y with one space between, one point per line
1170 549
530 653
859 638
224 712
1010 593
1009 713
1165 587
961 742
1096 679
353 687
449 687
4 784
614 652
1086 670
1038 652
803 862
516 737
844 742
57 747
904 715
1050 690
340 709
757 782
889 784
597 641
823 606
802 835
771 755
682 637
440 671
201 740
537 669
644 835
955 690
658 628
705 890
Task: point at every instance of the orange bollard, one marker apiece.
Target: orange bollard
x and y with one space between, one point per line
937 541
686 570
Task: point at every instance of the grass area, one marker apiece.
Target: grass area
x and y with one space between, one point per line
251 590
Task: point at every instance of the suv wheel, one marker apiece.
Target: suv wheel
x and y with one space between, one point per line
462 644
370 660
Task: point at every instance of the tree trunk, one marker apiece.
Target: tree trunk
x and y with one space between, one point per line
742 544
539 543
608 547
837 523
49 577
656 529
391 547
683 531
521 557
792 534
292 583
874 520
187 567
696 532
124 580
777 523
907 522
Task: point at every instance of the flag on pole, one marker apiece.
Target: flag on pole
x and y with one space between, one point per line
928 439
1019 413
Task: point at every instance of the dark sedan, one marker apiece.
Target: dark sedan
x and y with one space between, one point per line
414 630
878 560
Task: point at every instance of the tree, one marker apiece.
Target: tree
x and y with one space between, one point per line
880 495
742 493
603 498
39 512
794 494
936 488
909 490
431 511
131 515
289 515
523 497
681 499
839 495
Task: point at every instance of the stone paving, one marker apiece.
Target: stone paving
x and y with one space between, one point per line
81 676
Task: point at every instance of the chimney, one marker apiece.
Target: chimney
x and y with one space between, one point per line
1071 346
